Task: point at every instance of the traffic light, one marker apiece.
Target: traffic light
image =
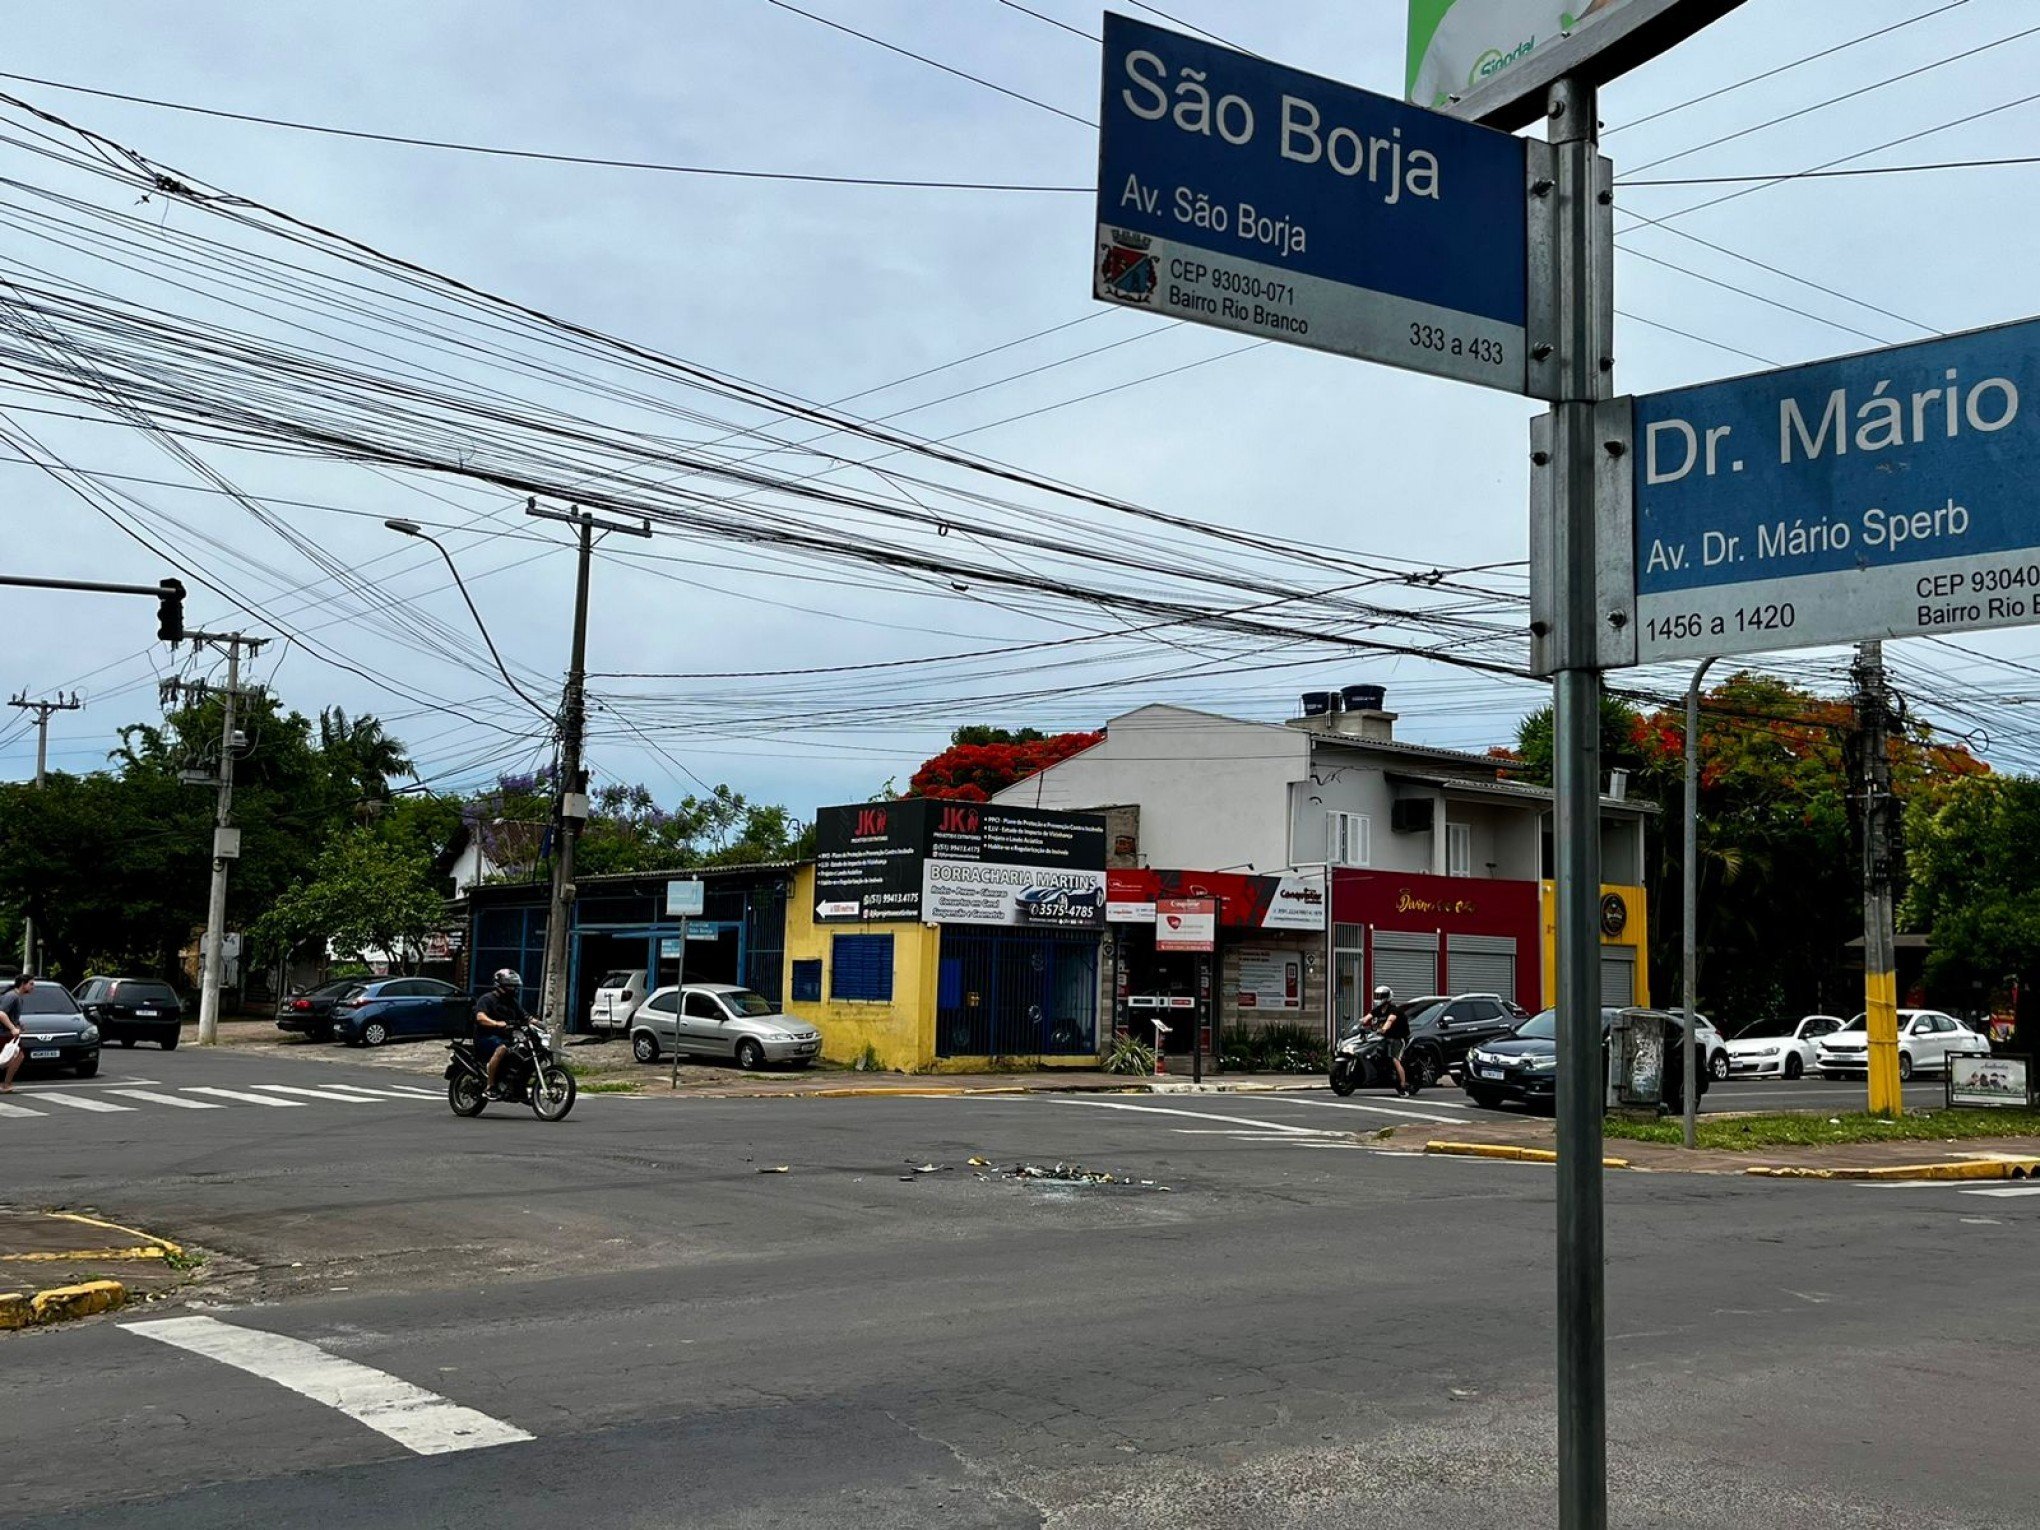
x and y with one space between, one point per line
170 611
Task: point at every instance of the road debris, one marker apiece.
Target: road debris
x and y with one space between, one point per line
781 1168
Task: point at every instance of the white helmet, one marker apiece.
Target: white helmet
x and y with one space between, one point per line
1384 992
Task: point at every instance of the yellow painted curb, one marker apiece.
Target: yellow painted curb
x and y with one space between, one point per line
19 1310
1506 1151
152 1251
882 1093
1987 1168
163 1244
61 1302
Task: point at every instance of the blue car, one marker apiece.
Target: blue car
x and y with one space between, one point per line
400 1009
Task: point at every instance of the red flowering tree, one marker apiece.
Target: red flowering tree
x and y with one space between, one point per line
980 761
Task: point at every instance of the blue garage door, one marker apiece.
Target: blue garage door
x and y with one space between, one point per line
1007 994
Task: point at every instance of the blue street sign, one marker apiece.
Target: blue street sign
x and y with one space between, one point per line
1874 496
1242 194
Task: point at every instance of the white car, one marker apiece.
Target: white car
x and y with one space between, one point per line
1713 1050
1781 1048
617 997
1926 1040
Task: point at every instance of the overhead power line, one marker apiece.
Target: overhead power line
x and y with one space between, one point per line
1775 177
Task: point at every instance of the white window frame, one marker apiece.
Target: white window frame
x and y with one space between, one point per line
1458 849
1349 839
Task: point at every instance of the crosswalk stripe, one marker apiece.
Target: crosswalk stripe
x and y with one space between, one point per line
17 1110
318 1094
80 1102
244 1098
2007 1191
1196 1115
422 1422
164 1099
1385 1110
366 1092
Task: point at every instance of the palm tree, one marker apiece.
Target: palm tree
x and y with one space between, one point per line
360 753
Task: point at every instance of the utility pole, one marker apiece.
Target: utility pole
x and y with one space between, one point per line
1880 976
42 710
226 838
570 800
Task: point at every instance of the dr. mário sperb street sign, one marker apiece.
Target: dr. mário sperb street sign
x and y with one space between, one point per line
1882 495
1242 194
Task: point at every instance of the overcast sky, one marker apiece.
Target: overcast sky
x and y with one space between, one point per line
827 291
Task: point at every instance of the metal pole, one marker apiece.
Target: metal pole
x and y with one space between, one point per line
1880 976
679 1000
571 801
1584 358
1689 906
216 904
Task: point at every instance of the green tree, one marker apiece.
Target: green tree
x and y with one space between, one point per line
363 895
1973 858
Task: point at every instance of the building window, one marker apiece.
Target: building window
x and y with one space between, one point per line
860 967
1347 841
807 982
1458 850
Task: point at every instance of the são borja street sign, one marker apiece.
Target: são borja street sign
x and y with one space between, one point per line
1242 194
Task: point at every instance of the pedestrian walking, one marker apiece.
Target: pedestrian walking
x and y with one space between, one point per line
10 1028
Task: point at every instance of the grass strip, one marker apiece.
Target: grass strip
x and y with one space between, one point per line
1814 1129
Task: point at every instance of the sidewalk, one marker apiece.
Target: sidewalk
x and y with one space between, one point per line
1975 1157
57 1265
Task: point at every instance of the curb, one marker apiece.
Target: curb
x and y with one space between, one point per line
1229 1088
151 1247
1985 1168
60 1303
1507 1152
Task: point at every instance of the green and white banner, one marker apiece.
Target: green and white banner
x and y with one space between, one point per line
1458 45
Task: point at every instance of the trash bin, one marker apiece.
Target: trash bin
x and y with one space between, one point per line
1636 1060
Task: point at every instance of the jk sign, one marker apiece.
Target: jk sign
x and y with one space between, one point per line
1881 495
1256 198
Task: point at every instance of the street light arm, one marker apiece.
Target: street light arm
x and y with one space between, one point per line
413 529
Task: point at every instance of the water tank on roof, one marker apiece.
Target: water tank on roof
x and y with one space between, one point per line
1364 698
1318 703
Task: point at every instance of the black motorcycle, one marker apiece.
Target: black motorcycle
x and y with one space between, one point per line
531 1076
1363 1061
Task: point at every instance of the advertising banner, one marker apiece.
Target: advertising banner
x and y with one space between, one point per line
1270 980
1990 1082
1186 924
920 860
1292 901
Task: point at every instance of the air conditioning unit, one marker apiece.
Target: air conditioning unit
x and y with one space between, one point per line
1413 815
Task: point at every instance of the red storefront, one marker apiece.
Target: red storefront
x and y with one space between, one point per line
1427 934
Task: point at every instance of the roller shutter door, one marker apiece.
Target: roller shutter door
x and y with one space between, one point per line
1406 962
1618 975
1481 964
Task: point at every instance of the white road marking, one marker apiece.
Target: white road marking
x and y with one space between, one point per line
418 1420
17 1110
244 1097
80 1102
366 1092
2007 1192
1385 1110
1195 1115
318 1094
165 1099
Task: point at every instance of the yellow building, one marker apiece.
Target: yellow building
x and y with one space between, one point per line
1625 944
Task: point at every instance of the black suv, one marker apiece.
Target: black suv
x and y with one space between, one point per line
128 1010
1443 1031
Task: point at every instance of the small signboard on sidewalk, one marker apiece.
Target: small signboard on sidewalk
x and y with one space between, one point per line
1999 1083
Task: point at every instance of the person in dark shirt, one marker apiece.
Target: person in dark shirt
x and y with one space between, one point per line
498 1013
10 1027
1387 1017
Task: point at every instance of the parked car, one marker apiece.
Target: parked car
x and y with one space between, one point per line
1781 1048
617 997
397 1009
128 1010
1714 1055
1444 1030
1523 1067
310 1012
55 1033
1926 1040
721 1020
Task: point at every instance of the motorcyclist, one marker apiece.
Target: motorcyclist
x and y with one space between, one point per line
1387 1017
498 1014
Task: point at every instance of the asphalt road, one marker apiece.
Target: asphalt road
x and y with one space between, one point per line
1285 1328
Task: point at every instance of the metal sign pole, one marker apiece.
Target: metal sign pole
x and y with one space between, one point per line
1584 360
679 999
1689 913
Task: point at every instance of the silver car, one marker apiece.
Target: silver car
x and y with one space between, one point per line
720 1020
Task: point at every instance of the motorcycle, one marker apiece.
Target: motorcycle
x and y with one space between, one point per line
532 1076
1362 1060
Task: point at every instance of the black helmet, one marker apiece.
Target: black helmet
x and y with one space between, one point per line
508 977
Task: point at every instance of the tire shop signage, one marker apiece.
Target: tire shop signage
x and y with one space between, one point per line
939 862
